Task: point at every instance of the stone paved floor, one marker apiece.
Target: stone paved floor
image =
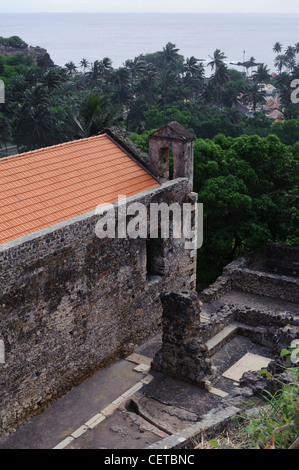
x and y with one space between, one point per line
230 354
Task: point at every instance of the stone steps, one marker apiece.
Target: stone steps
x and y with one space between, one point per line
224 336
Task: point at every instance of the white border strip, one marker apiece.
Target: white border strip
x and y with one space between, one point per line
103 414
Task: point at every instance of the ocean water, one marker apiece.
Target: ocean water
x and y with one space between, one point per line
121 36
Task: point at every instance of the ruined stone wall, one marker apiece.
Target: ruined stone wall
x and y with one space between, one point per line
282 259
183 351
267 284
251 273
70 302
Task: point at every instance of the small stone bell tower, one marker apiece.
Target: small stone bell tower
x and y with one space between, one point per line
179 140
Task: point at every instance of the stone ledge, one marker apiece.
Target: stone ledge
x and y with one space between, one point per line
212 421
225 335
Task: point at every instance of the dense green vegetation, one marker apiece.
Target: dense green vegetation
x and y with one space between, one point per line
245 167
49 105
13 41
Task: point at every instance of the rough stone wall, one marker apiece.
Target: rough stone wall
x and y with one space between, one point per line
183 352
267 284
274 330
251 273
71 302
282 259
186 347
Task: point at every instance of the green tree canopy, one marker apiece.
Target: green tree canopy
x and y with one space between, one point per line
247 187
13 41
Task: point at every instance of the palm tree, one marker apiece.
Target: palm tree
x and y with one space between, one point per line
136 116
146 87
169 58
62 73
290 52
208 92
95 114
84 64
277 47
52 79
280 62
170 84
120 80
170 55
41 125
291 64
105 67
295 73
218 79
251 62
283 85
193 77
100 70
136 68
191 66
255 96
33 126
38 94
230 94
95 73
262 74
217 59
71 68
34 121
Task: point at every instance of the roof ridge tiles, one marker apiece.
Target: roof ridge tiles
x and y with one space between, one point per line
51 147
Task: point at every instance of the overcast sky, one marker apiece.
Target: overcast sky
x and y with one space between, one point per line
205 6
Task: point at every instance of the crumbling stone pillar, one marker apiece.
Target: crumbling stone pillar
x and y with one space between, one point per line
183 352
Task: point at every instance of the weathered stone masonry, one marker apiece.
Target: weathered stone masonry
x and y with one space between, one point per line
183 351
272 272
70 302
188 343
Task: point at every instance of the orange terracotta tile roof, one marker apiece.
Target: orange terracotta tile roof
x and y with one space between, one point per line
276 112
41 188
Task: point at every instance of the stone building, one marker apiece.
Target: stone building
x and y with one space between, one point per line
70 301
